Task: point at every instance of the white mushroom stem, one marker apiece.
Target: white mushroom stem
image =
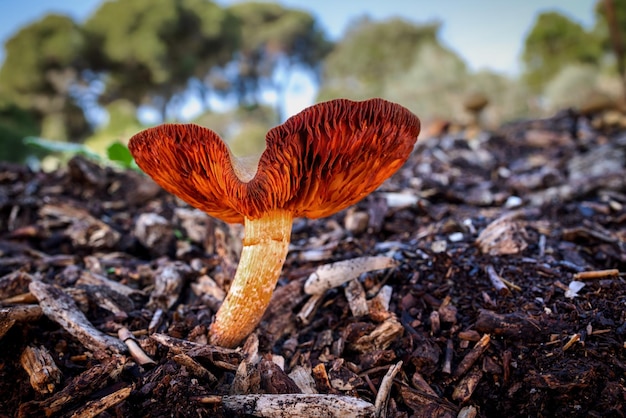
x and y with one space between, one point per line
264 251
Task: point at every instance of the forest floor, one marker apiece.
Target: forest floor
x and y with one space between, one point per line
507 297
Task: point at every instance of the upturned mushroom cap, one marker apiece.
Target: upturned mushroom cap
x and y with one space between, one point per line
318 162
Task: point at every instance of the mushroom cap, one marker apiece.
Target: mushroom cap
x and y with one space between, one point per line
596 102
475 101
320 161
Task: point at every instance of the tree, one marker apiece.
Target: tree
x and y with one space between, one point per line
553 42
15 125
432 85
147 51
40 70
611 30
370 53
275 40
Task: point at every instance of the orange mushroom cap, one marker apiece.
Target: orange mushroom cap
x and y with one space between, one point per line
320 161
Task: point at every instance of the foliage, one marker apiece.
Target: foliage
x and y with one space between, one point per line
610 29
274 40
602 30
15 125
146 51
121 125
437 83
508 98
553 42
40 68
243 129
370 53
571 86
431 86
117 153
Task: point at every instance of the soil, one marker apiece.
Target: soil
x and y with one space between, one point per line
493 235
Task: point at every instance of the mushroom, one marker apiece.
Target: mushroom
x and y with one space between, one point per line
320 161
474 103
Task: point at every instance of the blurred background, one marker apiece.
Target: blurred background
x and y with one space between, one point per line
93 72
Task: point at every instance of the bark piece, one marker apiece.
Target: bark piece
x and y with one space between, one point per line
380 338
22 313
355 294
299 406
382 397
90 278
274 380
303 378
513 325
84 230
14 284
76 389
94 408
60 308
465 388
42 370
473 355
168 283
335 274
503 236
427 405
155 233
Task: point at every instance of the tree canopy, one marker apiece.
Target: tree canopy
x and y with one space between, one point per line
159 53
146 51
553 42
611 31
372 52
274 39
41 64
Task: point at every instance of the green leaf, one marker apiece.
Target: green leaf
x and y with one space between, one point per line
120 154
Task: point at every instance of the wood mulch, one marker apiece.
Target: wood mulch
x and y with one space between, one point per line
506 295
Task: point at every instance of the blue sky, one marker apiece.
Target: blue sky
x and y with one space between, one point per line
486 33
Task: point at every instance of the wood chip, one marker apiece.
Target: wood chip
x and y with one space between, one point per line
382 397
22 313
77 388
496 281
84 230
504 235
94 408
335 274
299 406
154 232
90 278
168 283
303 378
466 386
380 338
195 369
596 274
60 308
514 325
355 294
42 370
473 355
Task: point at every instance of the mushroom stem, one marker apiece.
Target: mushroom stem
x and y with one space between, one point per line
265 245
